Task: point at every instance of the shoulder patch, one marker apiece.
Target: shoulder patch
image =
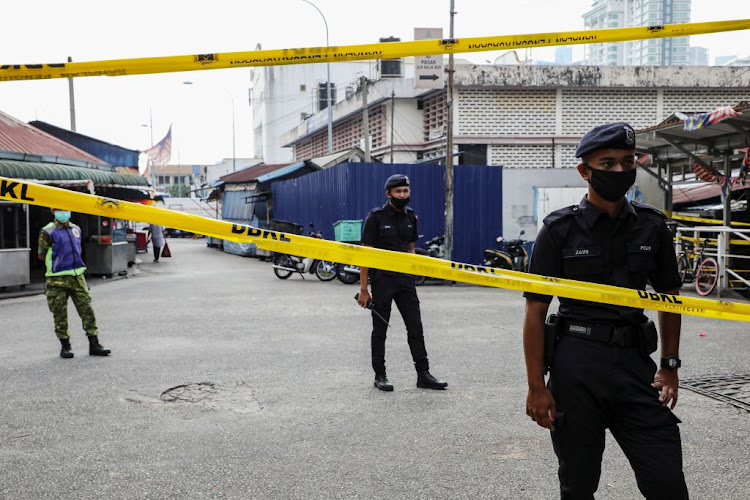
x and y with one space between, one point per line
648 208
560 214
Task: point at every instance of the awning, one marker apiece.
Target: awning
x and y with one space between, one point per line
281 172
39 171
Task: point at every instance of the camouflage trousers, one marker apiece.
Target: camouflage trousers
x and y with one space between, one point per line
59 288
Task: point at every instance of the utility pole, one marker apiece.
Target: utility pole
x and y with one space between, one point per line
72 99
393 110
365 118
449 152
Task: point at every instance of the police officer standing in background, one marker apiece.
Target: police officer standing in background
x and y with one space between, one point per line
394 227
602 375
60 249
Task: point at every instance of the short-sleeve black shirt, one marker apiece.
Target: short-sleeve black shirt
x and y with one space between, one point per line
583 243
390 229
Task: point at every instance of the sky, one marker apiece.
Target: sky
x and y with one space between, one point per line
127 110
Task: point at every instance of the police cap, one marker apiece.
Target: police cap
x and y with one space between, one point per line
396 180
618 135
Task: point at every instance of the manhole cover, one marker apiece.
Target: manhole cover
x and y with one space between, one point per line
732 389
239 397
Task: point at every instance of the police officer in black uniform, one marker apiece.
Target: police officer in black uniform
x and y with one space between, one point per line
601 375
394 227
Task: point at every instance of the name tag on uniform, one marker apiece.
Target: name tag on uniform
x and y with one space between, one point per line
569 253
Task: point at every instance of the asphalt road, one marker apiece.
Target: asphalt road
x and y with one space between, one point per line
226 382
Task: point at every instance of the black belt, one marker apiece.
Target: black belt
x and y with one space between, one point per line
623 336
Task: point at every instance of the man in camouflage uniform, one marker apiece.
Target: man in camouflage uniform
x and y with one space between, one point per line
60 248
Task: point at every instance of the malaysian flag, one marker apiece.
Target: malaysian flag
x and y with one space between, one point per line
701 120
703 173
160 154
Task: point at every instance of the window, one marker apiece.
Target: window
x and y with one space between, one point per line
303 88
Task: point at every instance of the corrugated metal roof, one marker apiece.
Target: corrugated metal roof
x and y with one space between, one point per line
251 173
110 153
28 170
289 169
19 137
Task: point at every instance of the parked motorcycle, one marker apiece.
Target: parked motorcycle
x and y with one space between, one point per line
347 273
434 247
285 265
511 255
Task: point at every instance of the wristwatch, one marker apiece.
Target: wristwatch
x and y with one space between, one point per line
671 362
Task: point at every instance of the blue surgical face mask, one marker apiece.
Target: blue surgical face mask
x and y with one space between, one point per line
62 216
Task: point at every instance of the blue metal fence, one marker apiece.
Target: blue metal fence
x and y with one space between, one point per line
349 191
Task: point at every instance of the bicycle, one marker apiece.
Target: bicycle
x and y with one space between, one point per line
704 273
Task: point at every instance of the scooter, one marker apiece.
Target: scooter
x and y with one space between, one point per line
511 255
431 248
347 273
285 265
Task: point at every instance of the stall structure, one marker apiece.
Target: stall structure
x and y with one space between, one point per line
701 161
31 154
15 245
246 199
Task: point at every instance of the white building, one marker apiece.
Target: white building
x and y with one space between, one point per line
654 52
284 96
605 14
527 118
518 116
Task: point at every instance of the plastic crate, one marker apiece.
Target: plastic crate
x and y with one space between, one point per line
347 230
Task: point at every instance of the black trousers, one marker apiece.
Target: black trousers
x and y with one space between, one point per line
600 386
398 288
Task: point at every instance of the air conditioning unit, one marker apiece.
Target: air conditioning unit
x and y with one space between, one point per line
390 68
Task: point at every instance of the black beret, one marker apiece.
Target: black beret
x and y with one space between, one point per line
396 180
612 135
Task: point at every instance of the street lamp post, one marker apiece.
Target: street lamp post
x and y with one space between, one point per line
328 84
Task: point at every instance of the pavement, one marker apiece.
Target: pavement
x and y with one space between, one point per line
226 382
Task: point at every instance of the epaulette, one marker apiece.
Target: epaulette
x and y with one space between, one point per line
561 213
377 209
409 209
649 208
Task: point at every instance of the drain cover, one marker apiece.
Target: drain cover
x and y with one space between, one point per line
732 389
239 397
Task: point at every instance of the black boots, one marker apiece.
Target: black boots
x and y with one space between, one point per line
95 349
382 383
65 352
426 381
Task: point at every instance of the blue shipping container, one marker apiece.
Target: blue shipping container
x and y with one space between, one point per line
350 190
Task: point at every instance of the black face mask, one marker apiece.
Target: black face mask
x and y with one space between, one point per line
611 185
400 203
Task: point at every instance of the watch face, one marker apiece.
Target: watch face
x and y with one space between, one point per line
672 363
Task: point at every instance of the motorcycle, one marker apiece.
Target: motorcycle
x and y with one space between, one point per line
285 265
511 255
434 247
347 273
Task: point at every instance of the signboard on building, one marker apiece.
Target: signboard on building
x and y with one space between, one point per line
428 70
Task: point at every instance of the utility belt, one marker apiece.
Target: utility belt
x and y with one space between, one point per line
623 336
643 336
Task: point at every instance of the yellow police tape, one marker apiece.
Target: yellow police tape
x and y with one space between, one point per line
36 194
703 220
120 67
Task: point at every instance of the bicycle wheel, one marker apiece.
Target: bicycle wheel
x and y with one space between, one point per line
283 261
683 267
325 271
706 276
